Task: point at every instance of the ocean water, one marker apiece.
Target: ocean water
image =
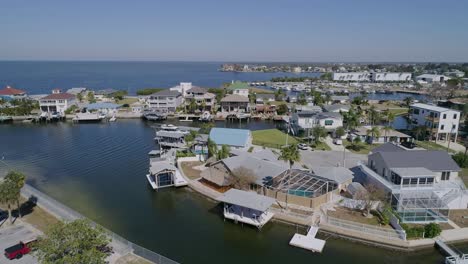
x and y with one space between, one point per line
41 77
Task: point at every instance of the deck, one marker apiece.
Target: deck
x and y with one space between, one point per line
250 221
308 241
179 181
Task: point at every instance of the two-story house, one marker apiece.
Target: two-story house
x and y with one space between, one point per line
57 102
422 185
9 93
305 120
165 101
239 88
204 99
442 123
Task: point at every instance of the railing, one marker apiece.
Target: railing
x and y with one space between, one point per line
385 233
119 244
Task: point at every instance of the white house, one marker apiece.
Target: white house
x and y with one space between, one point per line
182 88
352 76
309 120
165 101
203 99
442 122
239 88
384 136
391 76
431 78
57 102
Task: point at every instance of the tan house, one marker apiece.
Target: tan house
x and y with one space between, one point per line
235 103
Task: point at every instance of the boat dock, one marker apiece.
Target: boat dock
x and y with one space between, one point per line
453 257
308 241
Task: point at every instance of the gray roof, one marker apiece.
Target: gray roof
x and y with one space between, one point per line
247 199
196 89
170 134
429 159
167 92
338 174
334 107
261 168
339 97
158 166
387 147
412 172
324 115
235 98
432 107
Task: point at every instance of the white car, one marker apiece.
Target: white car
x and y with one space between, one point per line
303 146
337 141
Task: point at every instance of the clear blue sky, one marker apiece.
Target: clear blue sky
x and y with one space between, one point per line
240 30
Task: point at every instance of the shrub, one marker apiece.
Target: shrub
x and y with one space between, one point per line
182 154
250 149
432 230
413 232
461 159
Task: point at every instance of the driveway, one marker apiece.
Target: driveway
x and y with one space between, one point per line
11 235
334 147
330 158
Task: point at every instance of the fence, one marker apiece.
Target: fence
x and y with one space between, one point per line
119 244
382 232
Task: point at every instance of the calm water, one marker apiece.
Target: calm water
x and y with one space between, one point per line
42 77
99 170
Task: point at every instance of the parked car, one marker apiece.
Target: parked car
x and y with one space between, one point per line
337 141
17 251
408 144
303 146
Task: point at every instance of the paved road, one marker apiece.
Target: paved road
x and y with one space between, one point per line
334 147
453 145
330 158
11 235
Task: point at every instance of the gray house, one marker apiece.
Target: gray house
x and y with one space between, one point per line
165 101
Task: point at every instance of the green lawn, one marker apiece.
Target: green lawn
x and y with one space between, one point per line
321 146
432 146
365 148
272 138
127 101
399 111
464 175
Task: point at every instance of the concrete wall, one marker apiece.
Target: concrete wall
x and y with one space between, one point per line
298 200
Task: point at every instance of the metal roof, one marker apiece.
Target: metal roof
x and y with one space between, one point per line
387 147
338 174
429 159
432 107
235 98
230 136
158 166
166 93
247 199
412 172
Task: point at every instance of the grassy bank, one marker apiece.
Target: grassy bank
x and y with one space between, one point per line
429 145
272 138
364 147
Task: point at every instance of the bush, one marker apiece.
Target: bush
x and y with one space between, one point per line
182 154
250 149
432 230
71 109
461 159
413 232
148 91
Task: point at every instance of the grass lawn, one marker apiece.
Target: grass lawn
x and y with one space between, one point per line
399 111
464 175
354 215
457 217
432 146
189 171
272 138
260 90
127 101
321 146
365 148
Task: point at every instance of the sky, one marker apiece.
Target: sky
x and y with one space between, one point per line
240 30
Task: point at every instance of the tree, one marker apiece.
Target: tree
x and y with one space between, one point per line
387 129
282 109
119 95
223 153
356 144
74 242
290 154
9 194
420 131
242 178
408 101
191 136
212 148
90 97
432 230
351 119
192 105
79 97
339 132
373 132
371 196
18 179
318 132
148 91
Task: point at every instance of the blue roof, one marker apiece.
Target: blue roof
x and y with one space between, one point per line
229 136
97 106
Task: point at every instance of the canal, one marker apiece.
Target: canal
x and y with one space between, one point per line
99 170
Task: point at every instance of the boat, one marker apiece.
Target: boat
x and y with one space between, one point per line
155 116
206 117
6 119
88 117
112 119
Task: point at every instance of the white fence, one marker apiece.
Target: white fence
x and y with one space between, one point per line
119 244
386 233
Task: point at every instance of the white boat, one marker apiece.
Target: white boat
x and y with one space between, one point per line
112 119
87 117
206 116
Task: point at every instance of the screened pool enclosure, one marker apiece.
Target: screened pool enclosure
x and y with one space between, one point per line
420 207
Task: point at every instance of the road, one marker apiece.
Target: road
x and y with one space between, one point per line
11 235
330 158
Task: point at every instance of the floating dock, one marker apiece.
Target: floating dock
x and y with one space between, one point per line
308 241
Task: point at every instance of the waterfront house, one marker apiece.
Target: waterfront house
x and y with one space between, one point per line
170 136
164 174
204 100
104 108
337 108
264 98
341 175
182 88
442 123
57 102
165 101
235 103
339 99
234 138
389 135
310 108
10 93
302 121
432 78
137 107
104 94
239 88
247 207
423 185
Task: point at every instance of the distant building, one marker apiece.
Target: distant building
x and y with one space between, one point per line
302 121
235 103
339 99
337 108
264 98
239 88
57 102
432 78
76 91
182 88
234 138
105 108
165 101
204 99
442 123
372 76
383 137
9 93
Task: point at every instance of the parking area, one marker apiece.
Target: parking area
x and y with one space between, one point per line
10 236
330 158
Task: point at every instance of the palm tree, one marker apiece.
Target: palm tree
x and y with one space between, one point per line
419 131
373 132
19 179
408 101
390 116
386 129
9 193
290 154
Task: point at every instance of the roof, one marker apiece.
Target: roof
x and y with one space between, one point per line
11 91
238 85
337 174
432 107
230 136
362 131
235 98
418 171
339 97
325 115
158 166
59 96
309 108
166 92
430 159
105 91
196 89
387 147
334 107
97 106
247 199
76 90
265 96
432 76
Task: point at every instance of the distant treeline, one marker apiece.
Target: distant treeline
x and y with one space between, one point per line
324 76
148 91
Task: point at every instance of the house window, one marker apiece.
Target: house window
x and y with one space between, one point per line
442 127
406 181
453 126
444 116
430 181
328 122
416 111
414 181
454 116
445 176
